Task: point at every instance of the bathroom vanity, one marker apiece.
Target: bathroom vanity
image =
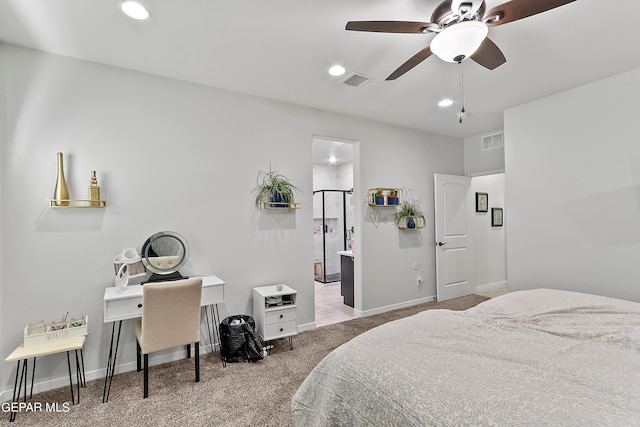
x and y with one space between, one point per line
346 274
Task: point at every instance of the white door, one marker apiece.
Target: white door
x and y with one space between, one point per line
455 265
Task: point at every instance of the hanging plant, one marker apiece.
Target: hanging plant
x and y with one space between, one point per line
407 215
273 189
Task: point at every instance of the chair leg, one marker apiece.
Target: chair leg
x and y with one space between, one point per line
146 376
197 351
138 353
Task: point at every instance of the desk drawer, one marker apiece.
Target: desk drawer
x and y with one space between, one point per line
120 309
282 329
212 295
280 315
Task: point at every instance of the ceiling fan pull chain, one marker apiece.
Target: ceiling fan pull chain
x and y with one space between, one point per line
462 111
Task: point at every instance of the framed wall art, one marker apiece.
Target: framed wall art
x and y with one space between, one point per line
482 202
496 217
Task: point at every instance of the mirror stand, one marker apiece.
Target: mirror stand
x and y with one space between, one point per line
155 277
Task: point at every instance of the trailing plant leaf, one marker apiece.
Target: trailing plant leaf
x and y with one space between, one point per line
408 210
273 186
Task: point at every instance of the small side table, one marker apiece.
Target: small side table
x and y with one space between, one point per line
275 312
23 354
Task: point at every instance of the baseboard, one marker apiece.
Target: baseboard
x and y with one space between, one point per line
491 286
386 308
63 381
307 327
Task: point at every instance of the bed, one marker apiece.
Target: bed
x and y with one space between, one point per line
529 358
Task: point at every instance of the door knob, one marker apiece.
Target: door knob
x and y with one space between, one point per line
441 244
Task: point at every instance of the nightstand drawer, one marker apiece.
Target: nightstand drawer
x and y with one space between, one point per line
283 329
280 315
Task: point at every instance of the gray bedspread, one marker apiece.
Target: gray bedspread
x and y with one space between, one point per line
530 358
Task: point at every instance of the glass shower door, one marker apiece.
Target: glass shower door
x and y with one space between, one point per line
329 234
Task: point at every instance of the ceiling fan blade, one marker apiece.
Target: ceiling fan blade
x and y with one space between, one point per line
489 55
390 26
518 9
411 62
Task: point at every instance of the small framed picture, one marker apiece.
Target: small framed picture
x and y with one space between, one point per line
482 202
496 217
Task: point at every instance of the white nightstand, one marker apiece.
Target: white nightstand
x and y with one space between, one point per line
275 312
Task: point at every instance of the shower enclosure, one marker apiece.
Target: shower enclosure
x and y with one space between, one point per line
332 228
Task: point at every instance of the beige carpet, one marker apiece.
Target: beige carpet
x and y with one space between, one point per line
242 394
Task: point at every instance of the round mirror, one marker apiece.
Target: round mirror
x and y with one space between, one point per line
165 252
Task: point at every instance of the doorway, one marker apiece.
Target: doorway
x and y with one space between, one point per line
470 246
333 225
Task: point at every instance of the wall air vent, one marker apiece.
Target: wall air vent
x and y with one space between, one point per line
491 142
355 80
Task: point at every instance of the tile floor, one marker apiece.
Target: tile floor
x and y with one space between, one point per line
330 307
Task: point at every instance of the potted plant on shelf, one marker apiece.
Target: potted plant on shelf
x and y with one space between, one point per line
273 189
392 199
407 215
378 197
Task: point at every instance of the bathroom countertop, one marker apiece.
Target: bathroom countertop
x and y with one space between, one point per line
346 253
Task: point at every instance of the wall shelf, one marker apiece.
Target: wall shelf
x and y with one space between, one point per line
402 224
385 192
71 204
282 205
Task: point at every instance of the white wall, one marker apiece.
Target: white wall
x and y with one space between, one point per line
386 255
481 162
345 176
573 190
4 350
485 167
490 242
177 156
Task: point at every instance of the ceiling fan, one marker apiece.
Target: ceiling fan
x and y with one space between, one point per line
461 28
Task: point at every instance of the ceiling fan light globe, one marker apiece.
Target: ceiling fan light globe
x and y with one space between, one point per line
135 10
459 40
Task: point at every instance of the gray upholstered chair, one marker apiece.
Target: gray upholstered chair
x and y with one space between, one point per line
170 318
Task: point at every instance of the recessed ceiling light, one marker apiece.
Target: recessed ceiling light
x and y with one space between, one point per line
135 10
337 70
332 159
445 103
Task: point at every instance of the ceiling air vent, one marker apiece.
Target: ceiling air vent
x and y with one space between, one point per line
491 142
355 80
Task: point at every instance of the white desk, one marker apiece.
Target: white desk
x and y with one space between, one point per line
123 304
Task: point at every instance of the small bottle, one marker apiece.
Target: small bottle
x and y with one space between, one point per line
353 245
94 190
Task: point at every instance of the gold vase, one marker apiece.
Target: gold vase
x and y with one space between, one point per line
61 193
